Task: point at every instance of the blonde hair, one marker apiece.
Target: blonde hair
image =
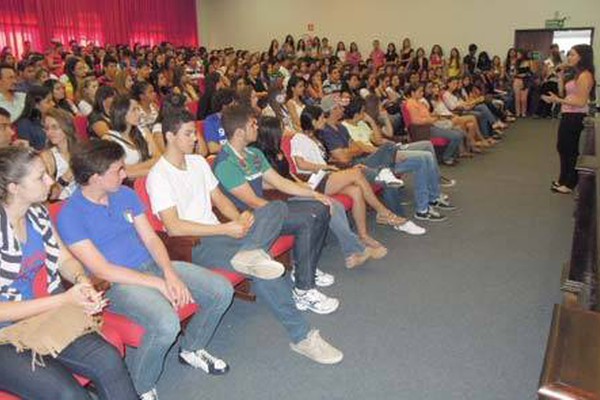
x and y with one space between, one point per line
120 80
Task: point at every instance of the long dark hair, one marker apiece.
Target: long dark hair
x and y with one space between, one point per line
293 81
118 120
103 93
34 96
70 71
270 132
586 61
204 105
62 103
308 117
66 123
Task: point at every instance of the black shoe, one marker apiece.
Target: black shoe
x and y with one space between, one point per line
430 215
443 205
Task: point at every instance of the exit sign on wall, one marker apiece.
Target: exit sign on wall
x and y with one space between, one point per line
555 23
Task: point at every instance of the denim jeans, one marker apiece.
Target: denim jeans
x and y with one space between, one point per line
454 136
423 165
217 251
307 220
149 308
339 225
384 157
88 356
485 118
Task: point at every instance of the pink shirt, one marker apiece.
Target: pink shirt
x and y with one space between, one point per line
378 57
571 89
353 58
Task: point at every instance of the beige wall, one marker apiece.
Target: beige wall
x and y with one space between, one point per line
490 23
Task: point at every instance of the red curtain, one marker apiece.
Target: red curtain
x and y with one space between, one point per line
107 21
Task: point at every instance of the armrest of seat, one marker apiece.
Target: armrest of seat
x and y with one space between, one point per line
419 132
179 247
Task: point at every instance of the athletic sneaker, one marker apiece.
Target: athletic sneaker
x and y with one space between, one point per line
257 263
314 301
323 279
443 204
317 349
446 182
149 395
411 228
387 176
430 215
205 361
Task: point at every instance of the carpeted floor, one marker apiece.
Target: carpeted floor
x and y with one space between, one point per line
461 313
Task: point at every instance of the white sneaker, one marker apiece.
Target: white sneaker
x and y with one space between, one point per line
387 176
411 228
323 279
150 395
317 349
314 301
257 263
205 361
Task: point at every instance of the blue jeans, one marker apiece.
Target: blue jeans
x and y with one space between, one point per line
339 225
423 165
454 136
149 308
485 118
384 157
218 251
307 220
88 356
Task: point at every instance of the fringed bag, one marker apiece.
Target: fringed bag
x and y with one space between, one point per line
51 332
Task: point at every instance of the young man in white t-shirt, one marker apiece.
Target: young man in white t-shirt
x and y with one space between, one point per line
183 190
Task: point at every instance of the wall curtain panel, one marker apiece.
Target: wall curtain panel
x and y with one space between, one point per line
98 21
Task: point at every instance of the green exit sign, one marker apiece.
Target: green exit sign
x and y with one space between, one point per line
555 23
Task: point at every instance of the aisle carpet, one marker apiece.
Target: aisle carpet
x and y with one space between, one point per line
461 313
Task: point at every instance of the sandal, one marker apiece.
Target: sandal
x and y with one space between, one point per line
358 259
389 218
376 250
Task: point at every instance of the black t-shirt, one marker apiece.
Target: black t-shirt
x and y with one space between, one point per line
470 62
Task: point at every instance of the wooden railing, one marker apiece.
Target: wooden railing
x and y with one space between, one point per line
571 369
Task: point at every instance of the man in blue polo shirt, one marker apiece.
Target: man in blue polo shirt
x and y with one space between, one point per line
104 226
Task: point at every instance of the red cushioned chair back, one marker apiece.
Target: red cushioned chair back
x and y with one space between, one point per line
140 188
286 148
81 126
192 107
54 209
